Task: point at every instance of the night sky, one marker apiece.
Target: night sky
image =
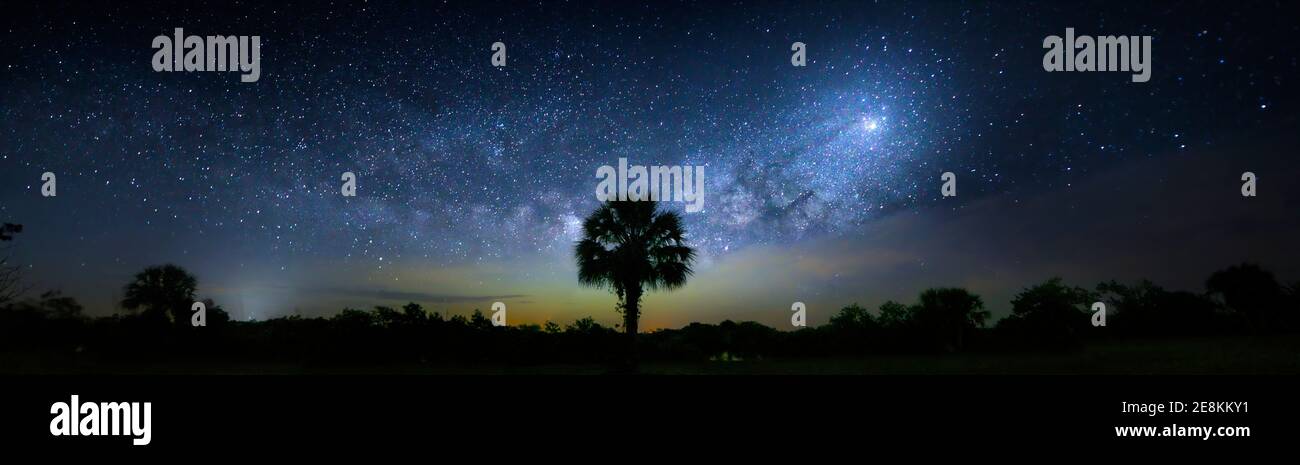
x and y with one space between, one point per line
822 183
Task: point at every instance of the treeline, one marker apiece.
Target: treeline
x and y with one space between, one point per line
1050 316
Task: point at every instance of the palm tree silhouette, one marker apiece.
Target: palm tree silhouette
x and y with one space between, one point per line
164 292
630 247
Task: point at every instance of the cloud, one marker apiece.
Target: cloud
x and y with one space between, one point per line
412 296
1173 219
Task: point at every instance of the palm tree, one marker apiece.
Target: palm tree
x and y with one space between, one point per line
163 292
630 247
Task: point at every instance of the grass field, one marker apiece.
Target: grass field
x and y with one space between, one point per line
1273 355
1206 356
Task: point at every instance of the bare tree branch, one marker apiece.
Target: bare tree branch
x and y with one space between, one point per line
10 274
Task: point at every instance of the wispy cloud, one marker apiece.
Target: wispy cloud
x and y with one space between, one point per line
413 296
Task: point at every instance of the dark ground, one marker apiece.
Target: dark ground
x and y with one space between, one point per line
1220 355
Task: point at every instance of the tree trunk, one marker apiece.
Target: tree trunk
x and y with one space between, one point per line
631 313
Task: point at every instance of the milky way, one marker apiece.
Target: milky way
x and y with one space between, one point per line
461 163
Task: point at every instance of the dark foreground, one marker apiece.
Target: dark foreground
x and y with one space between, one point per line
1221 355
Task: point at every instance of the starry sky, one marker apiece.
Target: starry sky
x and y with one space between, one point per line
822 183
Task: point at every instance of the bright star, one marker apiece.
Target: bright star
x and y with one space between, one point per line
870 124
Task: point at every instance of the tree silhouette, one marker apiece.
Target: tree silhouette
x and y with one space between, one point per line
1249 291
630 247
1146 309
10 278
853 317
162 293
949 313
1049 315
893 315
8 230
853 328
